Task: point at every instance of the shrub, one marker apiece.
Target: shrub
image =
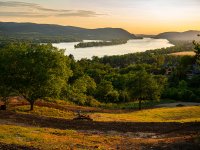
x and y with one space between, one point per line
92 102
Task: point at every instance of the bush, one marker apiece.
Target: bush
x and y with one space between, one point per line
112 96
92 102
124 96
188 95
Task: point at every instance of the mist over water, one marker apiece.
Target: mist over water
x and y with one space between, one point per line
132 46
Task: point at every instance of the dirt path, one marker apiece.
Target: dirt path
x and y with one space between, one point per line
178 104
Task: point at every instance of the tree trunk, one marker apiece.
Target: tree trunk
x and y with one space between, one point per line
140 104
32 105
5 100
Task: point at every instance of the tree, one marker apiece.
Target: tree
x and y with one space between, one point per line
82 88
85 84
37 71
197 51
143 86
7 72
104 90
112 96
197 56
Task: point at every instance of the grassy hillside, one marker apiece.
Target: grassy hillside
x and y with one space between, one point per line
176 114
51 127
47 138
181 114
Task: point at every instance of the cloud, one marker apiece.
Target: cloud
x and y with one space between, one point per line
20 14
23 9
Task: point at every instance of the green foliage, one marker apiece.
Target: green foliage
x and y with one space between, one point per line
124 96
112 96
91 101
81 90
42 71
103 43
143 86
103 90
35 71
45 33
157 57
197 51
181 92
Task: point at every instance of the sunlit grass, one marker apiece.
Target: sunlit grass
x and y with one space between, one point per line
45 111
47 138
177 114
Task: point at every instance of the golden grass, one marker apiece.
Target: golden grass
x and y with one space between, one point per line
176 114
46 112
189 53
47 138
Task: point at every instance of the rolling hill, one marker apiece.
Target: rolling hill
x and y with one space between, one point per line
40 32
180 36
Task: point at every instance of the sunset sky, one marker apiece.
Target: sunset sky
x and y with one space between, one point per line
136 16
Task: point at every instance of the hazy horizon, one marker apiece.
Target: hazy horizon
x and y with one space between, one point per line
135 16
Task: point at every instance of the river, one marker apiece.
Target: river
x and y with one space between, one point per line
132 46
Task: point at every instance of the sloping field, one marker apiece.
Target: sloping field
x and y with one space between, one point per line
176 114
17 137
54 128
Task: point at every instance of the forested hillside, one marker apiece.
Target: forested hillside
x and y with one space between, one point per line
57 33
179 36
42 72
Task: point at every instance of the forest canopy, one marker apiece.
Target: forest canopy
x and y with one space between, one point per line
37 71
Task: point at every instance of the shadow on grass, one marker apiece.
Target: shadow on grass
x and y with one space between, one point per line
4 146
57 123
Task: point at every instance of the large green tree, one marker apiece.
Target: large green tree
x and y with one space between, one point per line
143 86
35 71
8 60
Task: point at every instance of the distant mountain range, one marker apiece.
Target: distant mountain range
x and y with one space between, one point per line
179 36
57 33
32 31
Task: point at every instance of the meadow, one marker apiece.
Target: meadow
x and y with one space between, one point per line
52 127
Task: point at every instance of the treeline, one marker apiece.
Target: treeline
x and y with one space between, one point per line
149 57
101 43
42 72
37 39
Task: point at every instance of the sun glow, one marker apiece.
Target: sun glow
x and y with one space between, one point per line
136 16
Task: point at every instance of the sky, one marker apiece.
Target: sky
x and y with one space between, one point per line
135 16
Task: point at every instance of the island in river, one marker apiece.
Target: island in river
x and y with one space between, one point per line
100 43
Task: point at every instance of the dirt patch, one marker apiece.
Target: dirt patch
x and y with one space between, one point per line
182 145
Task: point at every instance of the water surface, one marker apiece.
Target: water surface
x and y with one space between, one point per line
132 46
